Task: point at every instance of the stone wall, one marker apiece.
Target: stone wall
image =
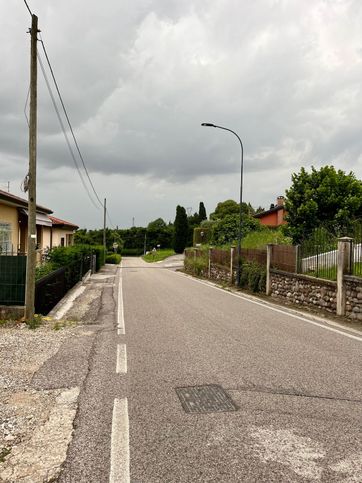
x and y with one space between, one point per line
353 297
217 273
303 290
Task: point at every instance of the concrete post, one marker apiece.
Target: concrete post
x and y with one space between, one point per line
297 258
231 265
209 268
194 261
343 267
269 253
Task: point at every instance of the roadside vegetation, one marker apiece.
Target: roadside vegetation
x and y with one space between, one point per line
158 255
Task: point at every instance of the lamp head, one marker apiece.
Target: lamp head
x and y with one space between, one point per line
207 124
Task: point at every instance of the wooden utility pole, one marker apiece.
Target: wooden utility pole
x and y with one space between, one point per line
31 258
104 228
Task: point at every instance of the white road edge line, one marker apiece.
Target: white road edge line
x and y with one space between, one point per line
274 309
119 471
120 312
121 365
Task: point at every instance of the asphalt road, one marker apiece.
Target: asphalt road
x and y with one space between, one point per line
295 383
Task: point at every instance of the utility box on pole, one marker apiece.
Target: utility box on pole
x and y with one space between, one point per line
31 250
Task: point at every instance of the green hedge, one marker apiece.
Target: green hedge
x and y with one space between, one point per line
113 258
62 256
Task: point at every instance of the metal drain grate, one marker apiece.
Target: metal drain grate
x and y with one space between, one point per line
209 398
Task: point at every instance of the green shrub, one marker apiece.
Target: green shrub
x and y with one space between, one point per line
253 277
197 265
43 270
114 258
63 256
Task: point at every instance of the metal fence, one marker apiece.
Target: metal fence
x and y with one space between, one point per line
317 256
12 279
50 289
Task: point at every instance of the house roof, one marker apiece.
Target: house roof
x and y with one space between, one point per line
20 202
268 212
62 223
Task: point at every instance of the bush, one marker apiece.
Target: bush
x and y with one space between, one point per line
114 258
253 277
63 256
197 265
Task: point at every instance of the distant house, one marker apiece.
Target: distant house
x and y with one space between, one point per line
50 231
275 216
62 233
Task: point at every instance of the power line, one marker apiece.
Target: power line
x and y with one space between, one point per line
64 132
27 6
62 125
68 120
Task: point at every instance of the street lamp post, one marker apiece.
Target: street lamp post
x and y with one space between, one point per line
207 124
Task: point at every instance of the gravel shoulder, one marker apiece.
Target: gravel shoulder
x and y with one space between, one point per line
37 411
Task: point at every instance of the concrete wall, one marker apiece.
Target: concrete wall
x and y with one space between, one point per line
9 214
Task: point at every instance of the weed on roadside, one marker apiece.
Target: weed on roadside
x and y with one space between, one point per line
3 454
35 322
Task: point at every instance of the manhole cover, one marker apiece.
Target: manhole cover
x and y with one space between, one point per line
205 399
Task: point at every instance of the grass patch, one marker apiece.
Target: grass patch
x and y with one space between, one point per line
158 255
260 239
35 322
330 273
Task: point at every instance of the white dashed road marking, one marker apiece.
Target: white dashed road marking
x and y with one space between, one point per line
119 472
121 366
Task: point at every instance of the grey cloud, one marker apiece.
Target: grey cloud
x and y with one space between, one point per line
138 78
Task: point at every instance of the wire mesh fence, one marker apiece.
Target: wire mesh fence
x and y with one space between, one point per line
356 265
12 279
318 255
50 289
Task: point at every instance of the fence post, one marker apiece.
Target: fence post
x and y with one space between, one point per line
343 267
209 267
269 253
231 265
297 258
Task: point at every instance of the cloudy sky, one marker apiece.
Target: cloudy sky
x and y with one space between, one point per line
139 76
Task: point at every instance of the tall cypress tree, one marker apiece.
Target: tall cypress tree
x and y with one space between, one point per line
202 212
181 230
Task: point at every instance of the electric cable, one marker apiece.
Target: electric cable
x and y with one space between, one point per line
27 6
64 132
68 120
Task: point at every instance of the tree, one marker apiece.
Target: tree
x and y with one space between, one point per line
231 207
224 208
202 212
181 230
226 230
324 197
158 233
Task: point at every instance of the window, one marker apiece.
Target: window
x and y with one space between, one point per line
5 238
62 241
